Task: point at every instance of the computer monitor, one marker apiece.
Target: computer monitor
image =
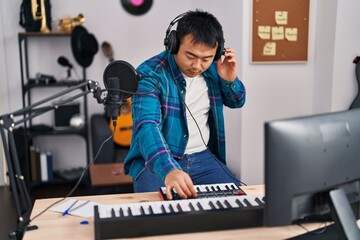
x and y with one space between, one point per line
309 159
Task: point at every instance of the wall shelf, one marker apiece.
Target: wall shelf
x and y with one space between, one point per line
28 84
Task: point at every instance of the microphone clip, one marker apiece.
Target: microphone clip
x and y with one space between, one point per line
113 106
96 90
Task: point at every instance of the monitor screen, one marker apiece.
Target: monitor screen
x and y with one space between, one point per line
306 158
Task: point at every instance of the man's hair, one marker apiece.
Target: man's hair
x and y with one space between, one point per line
204 27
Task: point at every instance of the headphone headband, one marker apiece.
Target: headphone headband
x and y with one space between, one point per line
172 23
172 43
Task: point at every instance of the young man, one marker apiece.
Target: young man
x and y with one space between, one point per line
178 135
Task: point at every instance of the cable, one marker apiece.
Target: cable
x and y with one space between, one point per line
153 90
97 154
136 93
202 138
320 231
77 183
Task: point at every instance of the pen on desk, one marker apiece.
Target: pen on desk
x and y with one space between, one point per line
77 207
68 210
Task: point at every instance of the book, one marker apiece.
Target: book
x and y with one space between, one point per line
38 164
43 167
49 158
33 173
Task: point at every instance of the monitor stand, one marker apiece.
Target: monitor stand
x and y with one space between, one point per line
343 216
344 227
325 233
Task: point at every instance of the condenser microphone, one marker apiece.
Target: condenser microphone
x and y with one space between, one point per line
121 82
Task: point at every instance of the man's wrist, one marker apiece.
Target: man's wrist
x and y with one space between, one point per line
165 171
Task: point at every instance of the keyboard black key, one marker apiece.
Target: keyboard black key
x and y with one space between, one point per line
239 203
199 206
142 211
151 210
192 207
121 212
163 209
227 204
212 205
248 204
179 207
219 204
171 208
259 201
129 211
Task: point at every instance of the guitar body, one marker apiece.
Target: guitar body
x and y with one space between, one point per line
124 123
123 131
356 101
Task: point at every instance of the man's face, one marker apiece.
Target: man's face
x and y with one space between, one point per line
192 59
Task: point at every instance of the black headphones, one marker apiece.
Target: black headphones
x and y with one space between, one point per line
172 43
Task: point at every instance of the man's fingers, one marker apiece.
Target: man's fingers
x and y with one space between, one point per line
182 192
168 193
181 183
193 192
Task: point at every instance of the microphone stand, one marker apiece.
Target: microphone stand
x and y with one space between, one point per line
17 182
68 71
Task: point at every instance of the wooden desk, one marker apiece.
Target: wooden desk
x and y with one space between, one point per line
54 226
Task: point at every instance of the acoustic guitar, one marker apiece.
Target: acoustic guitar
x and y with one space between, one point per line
124 123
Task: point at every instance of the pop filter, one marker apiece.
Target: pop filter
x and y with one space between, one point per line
121 81
126 78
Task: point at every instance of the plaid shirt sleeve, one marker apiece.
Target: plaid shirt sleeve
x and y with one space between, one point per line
148 130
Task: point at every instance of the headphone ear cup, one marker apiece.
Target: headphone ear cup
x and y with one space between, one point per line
219 51
172 43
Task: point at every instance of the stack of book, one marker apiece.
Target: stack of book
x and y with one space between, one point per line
41 165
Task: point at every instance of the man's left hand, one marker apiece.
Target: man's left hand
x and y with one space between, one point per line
227 65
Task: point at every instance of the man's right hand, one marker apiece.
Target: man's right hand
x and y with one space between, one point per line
181 182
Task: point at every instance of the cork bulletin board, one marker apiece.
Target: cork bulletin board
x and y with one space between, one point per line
280 30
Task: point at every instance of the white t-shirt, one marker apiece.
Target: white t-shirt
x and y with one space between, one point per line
197 100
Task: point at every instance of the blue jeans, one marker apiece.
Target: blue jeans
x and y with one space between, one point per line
202 167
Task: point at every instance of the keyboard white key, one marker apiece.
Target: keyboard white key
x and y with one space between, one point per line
186 205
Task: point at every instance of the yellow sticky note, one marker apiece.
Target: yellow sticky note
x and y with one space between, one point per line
264 32
291 34
281 17
269 49
277 33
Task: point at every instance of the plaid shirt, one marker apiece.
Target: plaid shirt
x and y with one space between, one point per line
160 132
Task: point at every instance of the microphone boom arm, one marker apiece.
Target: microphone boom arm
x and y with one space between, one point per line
8 123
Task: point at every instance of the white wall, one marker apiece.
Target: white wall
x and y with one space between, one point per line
324 55
275 90
3 89
347 47
326 82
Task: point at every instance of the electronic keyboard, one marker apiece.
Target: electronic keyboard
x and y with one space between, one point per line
177 216
208 190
